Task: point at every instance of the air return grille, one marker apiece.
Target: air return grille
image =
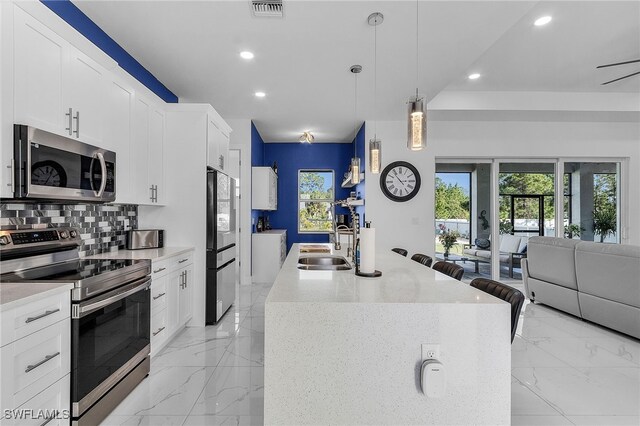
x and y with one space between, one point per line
268 8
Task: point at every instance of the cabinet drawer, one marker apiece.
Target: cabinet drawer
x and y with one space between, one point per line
52 403
183 260
35 362
161 268
158 296
158 329
27 319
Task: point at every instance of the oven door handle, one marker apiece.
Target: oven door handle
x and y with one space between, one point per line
85 308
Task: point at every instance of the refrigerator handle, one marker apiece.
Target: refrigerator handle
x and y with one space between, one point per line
211 201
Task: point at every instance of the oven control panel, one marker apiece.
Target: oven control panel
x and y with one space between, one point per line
43 238
34 237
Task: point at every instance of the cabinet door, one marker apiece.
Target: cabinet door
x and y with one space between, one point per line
38 75
173 300
156 153
213 144
273 190
223 152
119 104
186 290
84 93
140 151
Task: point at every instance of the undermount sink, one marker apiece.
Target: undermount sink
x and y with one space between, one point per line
323 263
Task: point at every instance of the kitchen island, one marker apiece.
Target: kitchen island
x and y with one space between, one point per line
341 349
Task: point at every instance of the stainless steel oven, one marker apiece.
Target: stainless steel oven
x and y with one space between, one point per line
110 313
53 167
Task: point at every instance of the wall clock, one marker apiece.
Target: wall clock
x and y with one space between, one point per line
400 181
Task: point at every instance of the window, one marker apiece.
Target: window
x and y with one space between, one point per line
315 194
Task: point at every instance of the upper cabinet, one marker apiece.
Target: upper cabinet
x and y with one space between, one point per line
56 87
264 188
147 158
217 142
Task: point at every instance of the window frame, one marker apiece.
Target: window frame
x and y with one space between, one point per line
333 207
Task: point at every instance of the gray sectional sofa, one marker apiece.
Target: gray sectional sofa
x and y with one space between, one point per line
595 281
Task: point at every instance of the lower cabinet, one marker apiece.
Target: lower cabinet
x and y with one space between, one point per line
35 385
268 253
171 296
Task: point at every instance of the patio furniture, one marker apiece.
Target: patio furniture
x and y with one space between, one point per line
422 258
506 293
512 250
454 258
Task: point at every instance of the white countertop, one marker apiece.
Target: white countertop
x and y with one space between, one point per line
151 254
271 232
13 295
402 281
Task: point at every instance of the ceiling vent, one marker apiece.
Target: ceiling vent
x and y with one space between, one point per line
267 8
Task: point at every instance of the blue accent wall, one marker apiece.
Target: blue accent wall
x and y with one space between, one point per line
292 157
66 10
257 160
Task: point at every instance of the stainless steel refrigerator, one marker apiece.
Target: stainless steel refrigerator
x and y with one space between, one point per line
221 245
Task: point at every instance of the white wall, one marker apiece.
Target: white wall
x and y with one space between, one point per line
241 139
410 225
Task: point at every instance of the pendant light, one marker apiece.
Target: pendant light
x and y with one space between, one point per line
417 117
375 144
355 161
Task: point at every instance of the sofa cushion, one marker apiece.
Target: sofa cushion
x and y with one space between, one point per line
557 296
470 251
553 260
610 271
617 316
509 243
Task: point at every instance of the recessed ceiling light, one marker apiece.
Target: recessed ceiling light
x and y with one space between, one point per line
474 76
544 20
246 55
260 94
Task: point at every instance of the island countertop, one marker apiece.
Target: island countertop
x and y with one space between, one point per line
344 349
403 281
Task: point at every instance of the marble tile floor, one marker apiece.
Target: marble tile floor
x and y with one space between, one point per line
564 372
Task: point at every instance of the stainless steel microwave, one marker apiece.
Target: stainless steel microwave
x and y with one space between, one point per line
52 167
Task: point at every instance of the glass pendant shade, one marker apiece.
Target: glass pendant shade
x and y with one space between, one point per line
417 125
355 170
375 155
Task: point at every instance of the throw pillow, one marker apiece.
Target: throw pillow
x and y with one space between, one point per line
483 243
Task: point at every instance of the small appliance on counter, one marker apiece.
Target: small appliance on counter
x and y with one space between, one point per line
138 239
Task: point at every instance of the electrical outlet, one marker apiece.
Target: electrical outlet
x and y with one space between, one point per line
430 351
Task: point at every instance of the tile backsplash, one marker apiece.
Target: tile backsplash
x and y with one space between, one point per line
102 227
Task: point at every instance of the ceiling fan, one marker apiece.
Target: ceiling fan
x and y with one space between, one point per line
620 63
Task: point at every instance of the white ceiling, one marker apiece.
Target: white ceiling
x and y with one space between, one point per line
302 61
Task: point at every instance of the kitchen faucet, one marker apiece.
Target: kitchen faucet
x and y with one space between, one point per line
355 226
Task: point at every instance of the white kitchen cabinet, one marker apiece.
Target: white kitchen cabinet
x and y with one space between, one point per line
56 87
264 188
217 143
39 72
36 357
268 253
171 298
147 152
118 135
185 294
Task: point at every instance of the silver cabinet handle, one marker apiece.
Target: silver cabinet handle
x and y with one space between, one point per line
38 364
37 317
151 190
185 279
159 330
155 271
70 115
77 130
155 193
158 296
221 161
183 260
12 166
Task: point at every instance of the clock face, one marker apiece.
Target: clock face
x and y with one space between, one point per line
400 181
48 173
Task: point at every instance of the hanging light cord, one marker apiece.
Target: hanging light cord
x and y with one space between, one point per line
417 49
355 113
375 81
